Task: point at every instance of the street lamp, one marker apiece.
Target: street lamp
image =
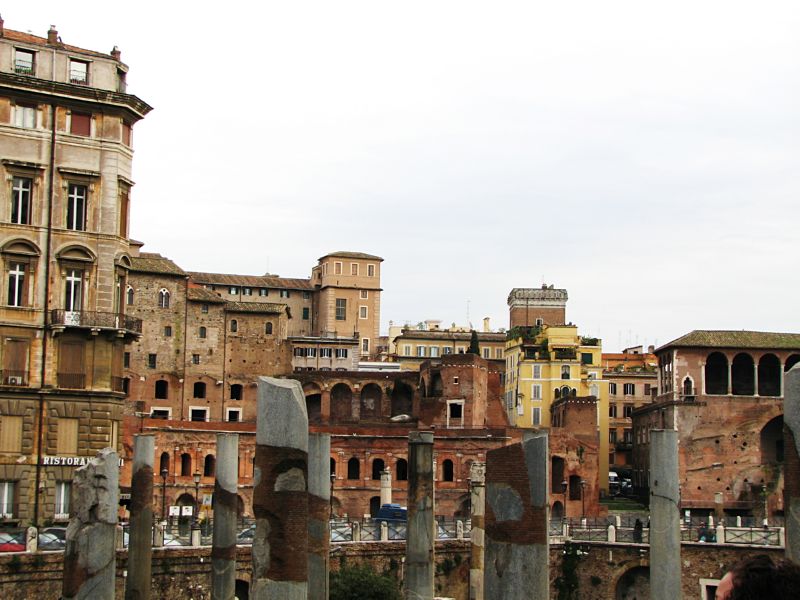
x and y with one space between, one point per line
564 488
333 478
197 497
164 474
583 498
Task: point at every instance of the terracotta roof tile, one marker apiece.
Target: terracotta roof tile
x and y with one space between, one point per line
255 307
346 254
203 295
702 338
255 281
28 38
150 262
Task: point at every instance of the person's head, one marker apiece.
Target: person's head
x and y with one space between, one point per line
757 578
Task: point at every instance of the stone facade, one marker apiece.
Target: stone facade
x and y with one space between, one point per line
65 137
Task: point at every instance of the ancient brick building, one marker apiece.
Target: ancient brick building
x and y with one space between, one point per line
66 123
723 392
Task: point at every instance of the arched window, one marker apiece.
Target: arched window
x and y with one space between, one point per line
743 378
377 467
575 487
163 463
565 391
203 332
236 391
353 469
199 389
268 328
769 376
791 361
186 465
162 390
129 295
447 470
688 388
163 298
401 468
716 372
209 465
234 325
565 372
557 393
556 475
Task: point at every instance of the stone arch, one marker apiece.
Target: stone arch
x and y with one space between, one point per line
353 469
743 377
209 465
402 399
401 469
186 465
377 466
161 391
76 252
769 375
557 512
371 396
791 361
716 373
633 584
313 402
163 463
437 385
341 402
771 441
424 390
21 246
687 386
448 472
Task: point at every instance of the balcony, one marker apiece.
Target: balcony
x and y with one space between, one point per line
97 321
72 381
23 67
18 378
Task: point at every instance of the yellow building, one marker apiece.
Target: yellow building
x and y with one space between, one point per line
547 362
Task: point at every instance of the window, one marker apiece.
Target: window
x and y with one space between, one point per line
168 331
536 392
420 350
80 124
127 131
498 353
629 389
126 360
300 352
365 345
162 390
195 359
406 350
539 321
152 361
455 380
209 465
67 437
447 350
537 371
627 436
325 353
24 61
202 332
76 207
160 413
73 290
63 491
78 72
247 291
198 414
337 268
341 309
236 391
233 415
487 353
612 389
204 309
21 188
233 291
268 328
565 372
311 352
455 414
353 467
306 295
362 312
163 298
341 353
17 290
364 294
234 326
353 268
586 358
648 389
612 411
129 295
434 351
25 116
199 390
186 465
11 434
7 499
536 416
447 470
284 294
371 270
612 436
124 201
306 313
263 292
627 411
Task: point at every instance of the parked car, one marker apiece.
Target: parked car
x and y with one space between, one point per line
12 542
245 536
50 541
392 512
59 532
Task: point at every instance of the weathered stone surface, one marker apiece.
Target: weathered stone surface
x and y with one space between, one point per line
90 555
137 585
319 488
477 475
282 409
223 551
665 537
791 489
421 532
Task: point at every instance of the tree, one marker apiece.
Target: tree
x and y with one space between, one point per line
473 344
360 582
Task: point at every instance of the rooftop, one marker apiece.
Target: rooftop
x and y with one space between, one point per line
198 294
35 40
347 254
256 307
254 281
150 262
705 338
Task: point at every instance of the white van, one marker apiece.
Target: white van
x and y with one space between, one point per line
613 483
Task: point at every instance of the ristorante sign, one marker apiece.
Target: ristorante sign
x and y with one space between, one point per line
69 461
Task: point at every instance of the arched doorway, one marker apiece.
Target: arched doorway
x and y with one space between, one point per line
716 372
772 441
743 375
558 510
634 585
341 403
371 401
402 399
242 590
769 376
313 402
184 521
374 506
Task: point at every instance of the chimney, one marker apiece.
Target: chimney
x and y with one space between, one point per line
115 53
486 328
52 35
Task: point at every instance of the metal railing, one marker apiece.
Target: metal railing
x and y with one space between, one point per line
72 381
94 319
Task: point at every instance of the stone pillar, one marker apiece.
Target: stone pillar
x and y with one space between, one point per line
386 487
280 494
319 509
665 533
90 556
421 533
477 492
517 543
791 468
140 544
31 539
223 543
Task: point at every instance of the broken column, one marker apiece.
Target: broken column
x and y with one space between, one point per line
791 468
319 509
421 533
140 545
477 503
90 553
386 487
280 495
223 543
517 544
665 533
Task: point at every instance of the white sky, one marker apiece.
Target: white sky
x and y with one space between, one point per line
645 157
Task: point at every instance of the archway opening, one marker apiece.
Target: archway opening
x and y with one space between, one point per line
716 374
769 376
771 441
371 401
341 402
402 399
743 376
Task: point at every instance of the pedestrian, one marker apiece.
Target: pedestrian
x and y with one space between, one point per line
637 531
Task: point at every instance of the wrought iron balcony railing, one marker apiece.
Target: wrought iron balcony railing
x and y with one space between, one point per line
95 320
8 377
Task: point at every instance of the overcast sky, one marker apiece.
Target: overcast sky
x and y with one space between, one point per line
644 156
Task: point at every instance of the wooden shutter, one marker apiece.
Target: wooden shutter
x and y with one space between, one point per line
67 441
10 434
81 124
15 360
